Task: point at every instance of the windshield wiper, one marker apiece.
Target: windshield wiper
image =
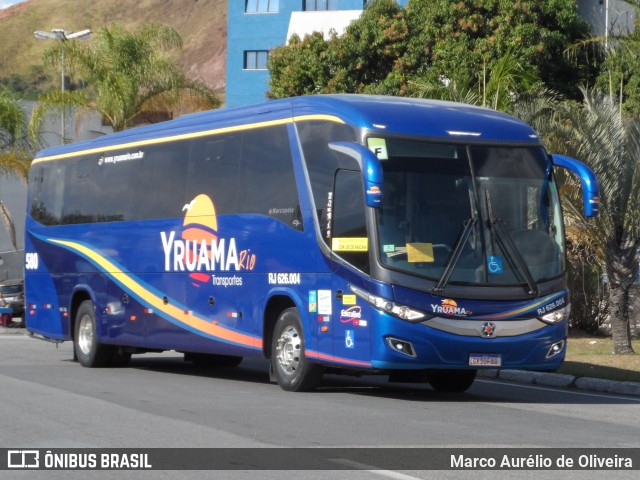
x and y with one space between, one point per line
469 225
506 245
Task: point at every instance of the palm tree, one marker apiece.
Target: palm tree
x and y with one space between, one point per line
14 148
126 74
599 134
497 86
14 144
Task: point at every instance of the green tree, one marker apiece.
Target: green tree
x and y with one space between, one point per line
14 150
126 74
14 142
458 38
357 62
501 88
304 67
390 48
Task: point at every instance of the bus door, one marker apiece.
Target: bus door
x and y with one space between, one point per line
350 243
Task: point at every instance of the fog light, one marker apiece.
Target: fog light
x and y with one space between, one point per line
401 346
555 349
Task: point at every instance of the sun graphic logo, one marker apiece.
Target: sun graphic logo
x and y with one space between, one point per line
449 307
200 227
198 248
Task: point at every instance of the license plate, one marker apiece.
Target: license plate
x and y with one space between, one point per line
485 360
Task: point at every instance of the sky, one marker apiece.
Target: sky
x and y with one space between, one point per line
8 3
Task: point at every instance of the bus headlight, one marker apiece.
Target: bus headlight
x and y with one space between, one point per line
401 311
556 316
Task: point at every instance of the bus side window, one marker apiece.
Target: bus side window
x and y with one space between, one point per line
267 181
322 162
349 237
165 179
214 165
47 193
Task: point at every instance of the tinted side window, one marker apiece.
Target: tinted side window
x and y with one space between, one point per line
159 184
247 172
243 172
349 237
214 166
322 162
267 183
46 187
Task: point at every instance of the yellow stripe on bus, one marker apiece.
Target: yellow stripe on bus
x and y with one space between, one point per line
157 303
186 136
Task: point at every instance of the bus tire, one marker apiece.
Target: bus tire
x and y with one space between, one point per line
451 381
89 351
292 369
120 357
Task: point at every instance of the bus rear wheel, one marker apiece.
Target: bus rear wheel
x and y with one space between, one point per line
89 352
451 381
292 369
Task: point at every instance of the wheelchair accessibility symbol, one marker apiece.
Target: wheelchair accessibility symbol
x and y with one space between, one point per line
349 339
494 263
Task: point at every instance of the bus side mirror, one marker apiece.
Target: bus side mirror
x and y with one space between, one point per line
590 189
369 166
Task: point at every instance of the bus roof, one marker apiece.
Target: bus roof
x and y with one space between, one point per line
384 114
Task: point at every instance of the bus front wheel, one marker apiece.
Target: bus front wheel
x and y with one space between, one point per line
88 350
292 369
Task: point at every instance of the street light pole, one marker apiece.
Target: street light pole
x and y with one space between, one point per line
62 36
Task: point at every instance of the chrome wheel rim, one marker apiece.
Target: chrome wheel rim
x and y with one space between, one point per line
288 350
85 334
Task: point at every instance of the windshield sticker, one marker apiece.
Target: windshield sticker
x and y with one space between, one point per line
379 147
313 301
495 264
324 302
388 248
348 299
420 252
347 315
350 244
353 315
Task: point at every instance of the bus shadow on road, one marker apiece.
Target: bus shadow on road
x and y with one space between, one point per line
377 386
250 370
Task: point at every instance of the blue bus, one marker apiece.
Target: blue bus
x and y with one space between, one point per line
342 233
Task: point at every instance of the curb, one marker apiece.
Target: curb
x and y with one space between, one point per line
565 381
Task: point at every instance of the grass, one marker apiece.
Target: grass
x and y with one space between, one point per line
592 357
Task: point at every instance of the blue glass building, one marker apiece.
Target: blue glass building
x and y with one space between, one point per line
256 26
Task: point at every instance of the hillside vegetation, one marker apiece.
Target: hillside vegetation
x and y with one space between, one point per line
201 23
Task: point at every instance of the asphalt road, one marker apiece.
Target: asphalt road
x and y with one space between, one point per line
160 401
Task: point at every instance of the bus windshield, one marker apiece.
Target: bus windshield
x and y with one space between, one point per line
470 214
